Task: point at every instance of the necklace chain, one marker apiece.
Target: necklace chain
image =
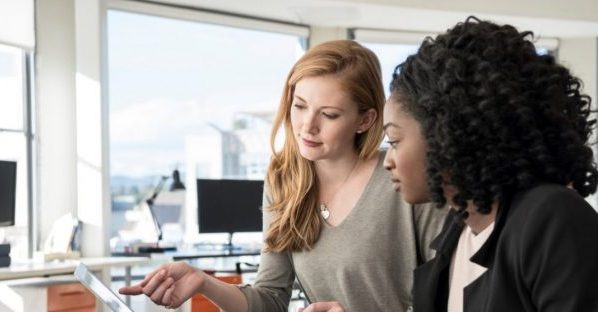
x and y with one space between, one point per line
324 211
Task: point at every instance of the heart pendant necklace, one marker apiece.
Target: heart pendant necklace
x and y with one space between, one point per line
324 211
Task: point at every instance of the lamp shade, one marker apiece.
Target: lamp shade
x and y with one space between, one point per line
176 181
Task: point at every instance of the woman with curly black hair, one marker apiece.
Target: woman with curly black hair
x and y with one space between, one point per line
478 120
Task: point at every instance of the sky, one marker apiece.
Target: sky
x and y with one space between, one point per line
169 78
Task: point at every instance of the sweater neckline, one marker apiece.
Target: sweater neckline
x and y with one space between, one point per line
362 197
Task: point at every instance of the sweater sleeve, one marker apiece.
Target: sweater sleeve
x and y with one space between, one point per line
559 254
428 222
273 285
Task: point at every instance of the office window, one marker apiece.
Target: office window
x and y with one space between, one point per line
14 135
391 48
189 95
390 55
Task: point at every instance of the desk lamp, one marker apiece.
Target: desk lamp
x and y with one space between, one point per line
176 185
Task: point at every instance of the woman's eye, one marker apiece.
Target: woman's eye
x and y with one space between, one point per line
393 143
330 116
299 106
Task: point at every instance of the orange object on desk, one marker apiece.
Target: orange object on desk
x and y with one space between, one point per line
203 304
72 297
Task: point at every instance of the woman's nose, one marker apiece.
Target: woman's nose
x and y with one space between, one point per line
388 164
310 124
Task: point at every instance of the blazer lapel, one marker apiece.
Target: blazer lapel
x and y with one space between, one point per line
431 279
485 255
474 294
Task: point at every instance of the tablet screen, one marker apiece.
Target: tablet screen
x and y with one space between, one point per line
100 290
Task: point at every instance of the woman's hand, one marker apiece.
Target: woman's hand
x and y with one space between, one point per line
170 285
331 306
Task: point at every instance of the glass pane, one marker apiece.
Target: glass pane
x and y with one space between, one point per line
542 51
14 149
193 96
390 55
11 88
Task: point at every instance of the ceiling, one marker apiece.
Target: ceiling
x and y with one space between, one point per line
548 18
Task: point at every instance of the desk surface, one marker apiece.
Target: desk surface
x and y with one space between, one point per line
193 254
34 268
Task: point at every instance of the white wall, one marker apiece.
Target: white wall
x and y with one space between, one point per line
93 206
322 34
581 56
16 23
71 128
55 80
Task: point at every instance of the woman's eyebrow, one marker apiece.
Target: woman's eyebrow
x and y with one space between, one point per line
390 124
300 98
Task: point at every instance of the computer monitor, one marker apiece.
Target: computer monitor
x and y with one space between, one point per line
229 206
8 183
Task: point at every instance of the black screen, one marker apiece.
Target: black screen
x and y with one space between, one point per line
8 182
228 206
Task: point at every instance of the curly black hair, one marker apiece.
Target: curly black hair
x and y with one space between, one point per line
497 117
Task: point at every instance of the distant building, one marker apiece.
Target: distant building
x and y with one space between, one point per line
240 153
213 153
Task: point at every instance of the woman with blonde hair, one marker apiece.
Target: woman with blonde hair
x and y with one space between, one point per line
331 219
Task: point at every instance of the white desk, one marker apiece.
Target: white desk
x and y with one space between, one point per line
36 272
33 268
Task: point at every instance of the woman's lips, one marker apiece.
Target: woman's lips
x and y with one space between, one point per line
396 185
311 143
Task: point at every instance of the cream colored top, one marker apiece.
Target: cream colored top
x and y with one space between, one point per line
463 271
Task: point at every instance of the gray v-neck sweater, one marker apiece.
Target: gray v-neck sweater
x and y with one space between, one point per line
366 263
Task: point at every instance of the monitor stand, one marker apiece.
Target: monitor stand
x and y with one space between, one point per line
229 246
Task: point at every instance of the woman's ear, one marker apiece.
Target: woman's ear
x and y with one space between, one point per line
367 119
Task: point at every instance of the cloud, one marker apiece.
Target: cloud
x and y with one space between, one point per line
149 137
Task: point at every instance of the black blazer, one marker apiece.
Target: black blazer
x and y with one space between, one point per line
541 256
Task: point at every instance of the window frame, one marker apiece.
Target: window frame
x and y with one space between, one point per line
28 132
410 37
193 14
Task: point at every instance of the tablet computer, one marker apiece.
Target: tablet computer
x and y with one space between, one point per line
100 290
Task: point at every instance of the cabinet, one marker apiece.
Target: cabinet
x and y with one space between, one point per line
200 303
71 297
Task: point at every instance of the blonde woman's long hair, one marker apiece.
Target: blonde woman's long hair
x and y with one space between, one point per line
291 179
